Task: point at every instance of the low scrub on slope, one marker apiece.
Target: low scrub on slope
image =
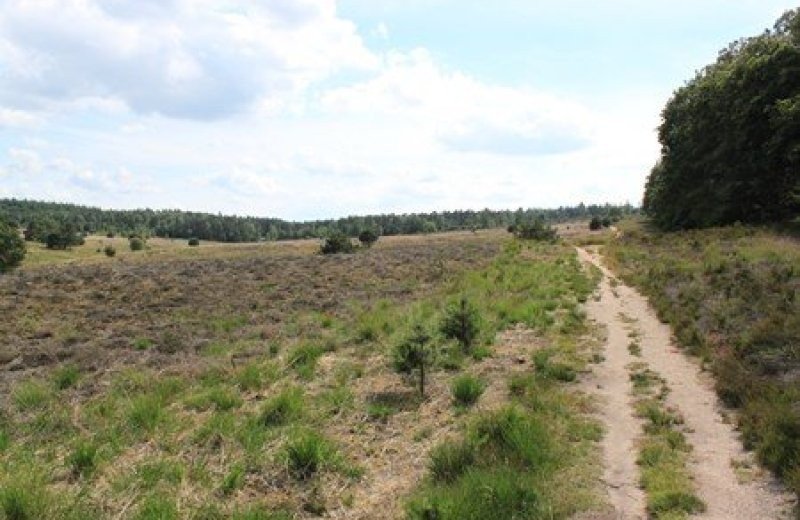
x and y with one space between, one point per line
731 295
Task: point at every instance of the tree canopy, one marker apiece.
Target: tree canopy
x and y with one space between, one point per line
730 137
12 247
41 218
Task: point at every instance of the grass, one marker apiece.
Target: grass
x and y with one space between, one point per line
303 359
308 452
730 295
283 408
467 389
66 377
83 459
205 387
664 451
31 395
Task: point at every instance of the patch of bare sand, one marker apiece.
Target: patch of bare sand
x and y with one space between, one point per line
717 449
395 453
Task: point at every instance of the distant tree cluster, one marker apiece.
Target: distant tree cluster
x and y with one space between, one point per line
12 247
731 137
40 218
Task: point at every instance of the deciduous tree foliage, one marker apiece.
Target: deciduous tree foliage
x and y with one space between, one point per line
731 137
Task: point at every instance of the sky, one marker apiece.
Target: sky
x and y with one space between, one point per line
307 109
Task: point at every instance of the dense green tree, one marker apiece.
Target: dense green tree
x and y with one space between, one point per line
337 243
731 137
12 247
368 237
595 223
63 237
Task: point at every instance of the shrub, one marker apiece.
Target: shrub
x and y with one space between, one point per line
110 251
64 237
461 322
595 224
12 247
194 242
337 242
368 237
110 234
467 389
414 353
136 243
535 230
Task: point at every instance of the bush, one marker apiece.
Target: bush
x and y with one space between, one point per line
414 353
368 237
110 251
535 230
136 243
462 323
467 389
595 224
337 243
12 247
194 242
64 237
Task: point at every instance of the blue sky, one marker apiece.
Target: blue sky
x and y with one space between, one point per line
305 109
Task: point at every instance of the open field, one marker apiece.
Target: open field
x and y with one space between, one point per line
256 381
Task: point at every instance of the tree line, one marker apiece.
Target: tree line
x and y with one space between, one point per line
41 219
730 137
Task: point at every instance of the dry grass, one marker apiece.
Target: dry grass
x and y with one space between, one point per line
146 386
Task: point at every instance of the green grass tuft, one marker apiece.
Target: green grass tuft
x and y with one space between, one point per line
467 389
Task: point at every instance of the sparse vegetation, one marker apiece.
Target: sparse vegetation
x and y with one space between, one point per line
284 376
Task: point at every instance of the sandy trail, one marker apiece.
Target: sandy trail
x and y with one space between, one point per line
716 444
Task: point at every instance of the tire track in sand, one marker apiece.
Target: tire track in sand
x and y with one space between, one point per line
716 446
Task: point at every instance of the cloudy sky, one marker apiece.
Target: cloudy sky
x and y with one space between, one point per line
305 109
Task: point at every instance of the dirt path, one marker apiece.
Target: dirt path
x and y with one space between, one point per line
717 448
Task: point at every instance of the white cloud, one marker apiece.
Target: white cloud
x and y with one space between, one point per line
184 58
464 113
17 118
